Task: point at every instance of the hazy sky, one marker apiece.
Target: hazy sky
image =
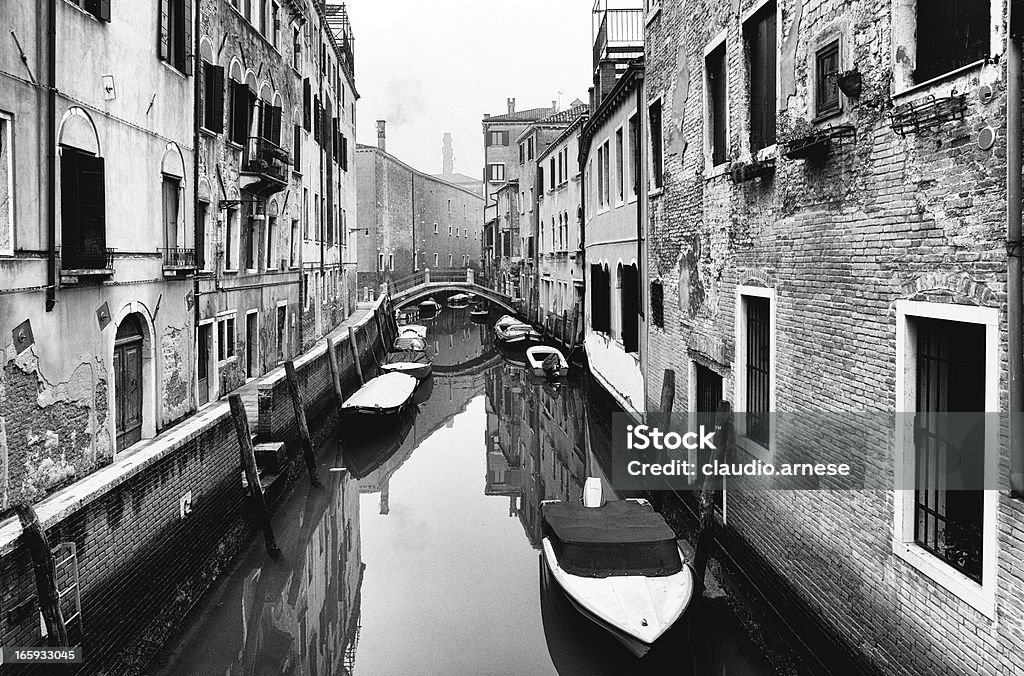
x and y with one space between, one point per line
432 67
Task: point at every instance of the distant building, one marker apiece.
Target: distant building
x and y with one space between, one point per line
410 220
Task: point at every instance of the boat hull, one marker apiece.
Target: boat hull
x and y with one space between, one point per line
418 371
384 395
636 645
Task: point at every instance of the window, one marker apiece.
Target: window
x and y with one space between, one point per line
952 34
497 138
658 304
435 228
522 154
449 260
449 206
231 240
449 231
297 148
213 97
634 152
552 170
600 299
759 34
496 172
170 211
6 185
296 49
242 100
657 161
826 93
605 171
293 252
529 149
202 235
271 244
435 260
98 8
307 107
716 136
175 36
251 255
83 210
600 177
391 262
755 362
275 24
380 262
225 338
619 167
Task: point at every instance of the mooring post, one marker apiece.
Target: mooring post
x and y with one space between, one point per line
332 361
300 419
45 569
355 354
724 441
252 475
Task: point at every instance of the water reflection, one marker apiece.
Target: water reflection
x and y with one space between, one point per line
418 554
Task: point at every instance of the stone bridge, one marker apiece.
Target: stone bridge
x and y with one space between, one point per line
419 285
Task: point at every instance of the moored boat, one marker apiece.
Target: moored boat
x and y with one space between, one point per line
511 331
479 313
384 395
430 306
459 301
618 564
413 329
410 343
416 363
547 361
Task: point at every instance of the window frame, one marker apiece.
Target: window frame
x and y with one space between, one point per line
230 351
740 368
837 109
7 148
748 18
981 596
719 42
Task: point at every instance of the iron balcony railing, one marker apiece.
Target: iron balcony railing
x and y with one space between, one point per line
620 30
267 159
86 258
176 257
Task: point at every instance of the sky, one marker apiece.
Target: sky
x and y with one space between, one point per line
435 67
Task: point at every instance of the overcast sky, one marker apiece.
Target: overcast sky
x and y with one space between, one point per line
432 67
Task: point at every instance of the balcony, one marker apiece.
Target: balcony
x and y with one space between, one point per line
619 34
88 262
178 262
266 166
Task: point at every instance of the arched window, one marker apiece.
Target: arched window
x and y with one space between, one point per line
172 171
83 195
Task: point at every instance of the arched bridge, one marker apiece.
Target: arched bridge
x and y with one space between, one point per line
419 285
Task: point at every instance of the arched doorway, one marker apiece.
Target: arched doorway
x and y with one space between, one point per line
128 349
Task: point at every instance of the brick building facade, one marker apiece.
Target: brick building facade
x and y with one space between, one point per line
814 247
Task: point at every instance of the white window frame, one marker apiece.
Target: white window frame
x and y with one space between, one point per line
7 145
982 597
740 368
223 317
282 352
435 260
620 160
772 150
709 167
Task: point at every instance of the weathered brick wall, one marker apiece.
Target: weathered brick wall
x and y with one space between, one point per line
885 218
133 547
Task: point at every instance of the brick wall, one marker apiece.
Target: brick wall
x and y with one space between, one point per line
885 218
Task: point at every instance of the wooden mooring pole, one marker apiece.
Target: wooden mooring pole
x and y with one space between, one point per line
45 569
355 354
252 475
725 439
332 361
300 420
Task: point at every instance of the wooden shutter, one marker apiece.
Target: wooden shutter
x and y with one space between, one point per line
305 103
70 233
504 138
239 111
317 119
344 153
273 114
297 148
215 106
92 202
164 29
630 316
188 35
760 36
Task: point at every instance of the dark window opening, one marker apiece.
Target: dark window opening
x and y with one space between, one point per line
951 34
176 34
658 304
297 148
950 378
600 299
759 33
657 174
758 368
213 97
306 104
714 65
98 8
630 309
242 100
83 211
826 92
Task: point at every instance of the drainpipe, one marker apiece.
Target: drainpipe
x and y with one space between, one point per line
51 157
1015 327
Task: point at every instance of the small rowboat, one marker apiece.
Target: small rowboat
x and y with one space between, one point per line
510 330
479 313
618 564
416 363
459 301
547 361
410 343
384 395
430 306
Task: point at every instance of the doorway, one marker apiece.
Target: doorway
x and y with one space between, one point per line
282 332
203 363
128 382
252 366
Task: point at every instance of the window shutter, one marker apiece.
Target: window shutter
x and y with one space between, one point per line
274 124
104 10
305 103
163 36
215 91
504 138
344 153
92 203
240 103
297 148
188 36
316 119
70 233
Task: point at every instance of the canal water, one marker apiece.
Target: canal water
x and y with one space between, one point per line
423 556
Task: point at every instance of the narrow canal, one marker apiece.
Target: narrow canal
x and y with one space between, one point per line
423 558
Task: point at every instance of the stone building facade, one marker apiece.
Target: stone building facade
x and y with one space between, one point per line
823 236
277 103
410 220
96 173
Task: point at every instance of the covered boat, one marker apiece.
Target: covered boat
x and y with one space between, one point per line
459 300
413 329
619 565
414 362
410 343
479 313
510 330
547 361
384 395
430 306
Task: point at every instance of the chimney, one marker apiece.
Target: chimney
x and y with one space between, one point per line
447 156
511 106
381 136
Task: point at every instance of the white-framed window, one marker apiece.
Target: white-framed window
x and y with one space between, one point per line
435 260
380 262
449 260
6 184
496 171
449 231
391 262
449 206
435 228
947 359
620 167
716 103
232 238
226 337
755 369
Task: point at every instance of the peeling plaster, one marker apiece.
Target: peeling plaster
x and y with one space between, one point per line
787 62
677 143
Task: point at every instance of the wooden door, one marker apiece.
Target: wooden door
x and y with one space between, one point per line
128 392
203 364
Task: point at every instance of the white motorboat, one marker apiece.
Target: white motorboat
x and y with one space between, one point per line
384 395
459 301
414 362
510 330
547 361
618 564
